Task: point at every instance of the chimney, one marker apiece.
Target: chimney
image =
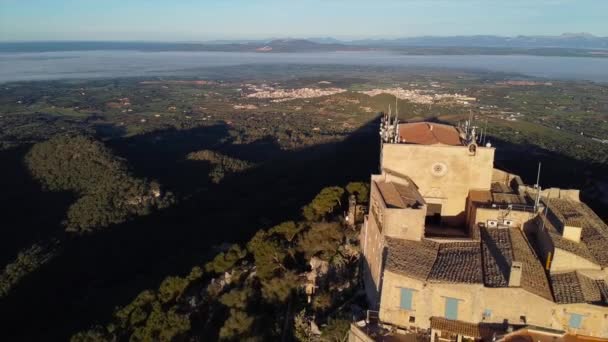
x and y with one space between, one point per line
515 274
572 229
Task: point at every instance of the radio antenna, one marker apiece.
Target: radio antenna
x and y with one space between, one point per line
537 201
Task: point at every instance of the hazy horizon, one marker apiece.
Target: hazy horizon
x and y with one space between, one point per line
188 20
287 38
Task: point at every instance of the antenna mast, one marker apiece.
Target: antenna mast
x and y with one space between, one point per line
396 107
485 132
537 186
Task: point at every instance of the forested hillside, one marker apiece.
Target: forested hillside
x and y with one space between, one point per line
107 193
182 208
283 284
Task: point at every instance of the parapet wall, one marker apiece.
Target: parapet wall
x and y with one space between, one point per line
569 194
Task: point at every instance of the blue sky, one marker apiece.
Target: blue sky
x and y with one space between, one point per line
185 20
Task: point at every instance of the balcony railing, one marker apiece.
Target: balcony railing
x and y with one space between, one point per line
506 206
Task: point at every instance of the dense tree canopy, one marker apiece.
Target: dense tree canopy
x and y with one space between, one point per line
107 192
324 203
221 164
255 293
360 190
27 261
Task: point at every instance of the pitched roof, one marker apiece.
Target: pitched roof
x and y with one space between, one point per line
411 258
429 133
603 287
462 262
594 233
500 247
398 195
480 330
579 249
573 287
497 256
489 263
458 262
533 275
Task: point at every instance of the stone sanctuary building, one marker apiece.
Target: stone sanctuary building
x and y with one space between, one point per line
457 249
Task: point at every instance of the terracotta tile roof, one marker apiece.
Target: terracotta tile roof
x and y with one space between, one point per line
603 287
429 133
594 231
573 287
566 288
480 330
489 263
462 262
591 291
411 258
458 262
497 256
398 195
579 249
533 277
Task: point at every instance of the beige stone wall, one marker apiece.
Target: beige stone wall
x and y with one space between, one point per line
482 215
564 261
356 334
545 244
463 173
405 223
504 303
594 323
570 194
504 177
372 243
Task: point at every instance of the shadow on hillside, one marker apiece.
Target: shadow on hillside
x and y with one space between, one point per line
94 274
28 213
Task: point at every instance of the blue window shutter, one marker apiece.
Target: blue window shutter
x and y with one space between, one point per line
575 320
487 313
406 299
451 308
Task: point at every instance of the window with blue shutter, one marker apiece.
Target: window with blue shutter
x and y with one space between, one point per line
406 299
451 308
487 313
576 320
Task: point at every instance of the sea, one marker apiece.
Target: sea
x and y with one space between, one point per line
57 65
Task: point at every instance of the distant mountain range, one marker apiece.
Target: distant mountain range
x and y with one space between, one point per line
566 40
570 44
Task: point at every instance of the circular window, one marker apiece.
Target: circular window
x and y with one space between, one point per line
439 169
